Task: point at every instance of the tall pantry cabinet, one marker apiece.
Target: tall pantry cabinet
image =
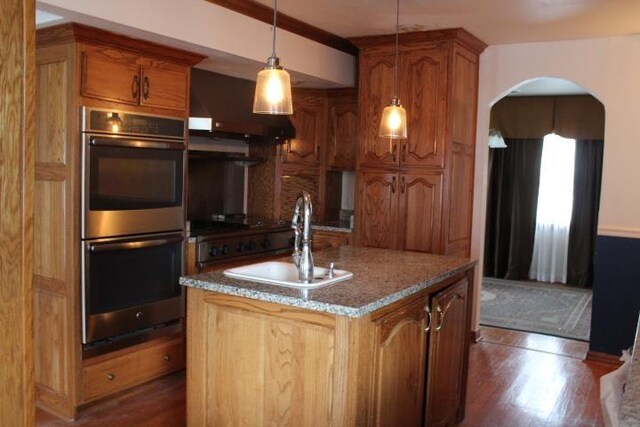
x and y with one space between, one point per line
80 66
417 193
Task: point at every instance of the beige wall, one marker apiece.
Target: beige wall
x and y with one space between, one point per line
236 43
610 69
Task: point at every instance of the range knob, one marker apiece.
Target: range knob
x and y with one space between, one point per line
292 241
213 251
252 246
224 249
241 247
266 244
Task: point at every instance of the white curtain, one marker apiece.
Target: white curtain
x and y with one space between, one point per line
555 201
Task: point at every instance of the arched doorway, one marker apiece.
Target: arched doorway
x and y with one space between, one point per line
540 233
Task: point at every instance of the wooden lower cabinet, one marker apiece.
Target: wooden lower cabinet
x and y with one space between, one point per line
322 239
258 363
399 210
448 352
105 375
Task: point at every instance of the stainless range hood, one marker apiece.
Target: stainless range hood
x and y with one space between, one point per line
227 102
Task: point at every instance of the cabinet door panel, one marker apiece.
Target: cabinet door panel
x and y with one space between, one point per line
110 74
421 195
376 89
447 352
424 95
377 209
308 119
165 86
343 134
399 371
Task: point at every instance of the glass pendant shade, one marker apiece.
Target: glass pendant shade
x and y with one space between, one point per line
273 90
393 123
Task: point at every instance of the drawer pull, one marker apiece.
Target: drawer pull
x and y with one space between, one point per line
111 376
167 358
428 310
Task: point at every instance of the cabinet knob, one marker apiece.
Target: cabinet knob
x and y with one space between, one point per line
167 358
135 87
111 376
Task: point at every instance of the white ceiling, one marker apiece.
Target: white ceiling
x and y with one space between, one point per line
492 21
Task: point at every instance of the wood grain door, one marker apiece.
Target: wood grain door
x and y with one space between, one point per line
165 85
420 211
308 120
377 201
400 361
424 95
376 89
110 74
447 351
343 132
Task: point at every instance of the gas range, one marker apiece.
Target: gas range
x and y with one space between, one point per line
227 239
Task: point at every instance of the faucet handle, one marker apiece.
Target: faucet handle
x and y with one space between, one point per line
331 268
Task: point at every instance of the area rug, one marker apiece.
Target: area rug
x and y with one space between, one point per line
544 308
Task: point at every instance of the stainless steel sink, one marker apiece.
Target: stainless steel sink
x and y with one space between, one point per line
286 274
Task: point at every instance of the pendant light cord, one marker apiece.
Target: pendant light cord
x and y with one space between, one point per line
395 70
275 18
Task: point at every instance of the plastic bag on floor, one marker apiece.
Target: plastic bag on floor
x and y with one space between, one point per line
611 388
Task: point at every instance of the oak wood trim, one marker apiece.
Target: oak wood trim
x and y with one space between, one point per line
65 33
264 13
16 221
597 356
458 35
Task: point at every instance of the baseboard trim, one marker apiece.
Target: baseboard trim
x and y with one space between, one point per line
597 356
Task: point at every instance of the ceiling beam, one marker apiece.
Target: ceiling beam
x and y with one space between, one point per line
264 13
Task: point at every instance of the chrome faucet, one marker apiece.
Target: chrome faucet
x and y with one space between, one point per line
301 224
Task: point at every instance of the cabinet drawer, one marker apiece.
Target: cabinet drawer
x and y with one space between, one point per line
103 376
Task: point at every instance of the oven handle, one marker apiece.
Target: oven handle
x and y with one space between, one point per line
135 143
104 247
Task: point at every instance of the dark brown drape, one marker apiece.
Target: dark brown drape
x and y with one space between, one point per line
584 218
514 176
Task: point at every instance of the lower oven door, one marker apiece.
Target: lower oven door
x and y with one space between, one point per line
131 284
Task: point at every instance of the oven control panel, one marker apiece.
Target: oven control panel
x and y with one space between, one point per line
224 249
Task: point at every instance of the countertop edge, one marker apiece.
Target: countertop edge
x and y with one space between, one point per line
322 306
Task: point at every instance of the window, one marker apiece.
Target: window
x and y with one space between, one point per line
555 204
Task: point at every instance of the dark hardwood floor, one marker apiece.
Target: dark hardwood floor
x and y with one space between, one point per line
516 379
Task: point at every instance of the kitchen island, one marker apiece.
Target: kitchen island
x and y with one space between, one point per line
387 347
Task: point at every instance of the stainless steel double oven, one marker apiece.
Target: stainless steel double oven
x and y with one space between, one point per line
132 222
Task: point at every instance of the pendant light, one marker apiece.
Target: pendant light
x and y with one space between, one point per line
393 123
273 86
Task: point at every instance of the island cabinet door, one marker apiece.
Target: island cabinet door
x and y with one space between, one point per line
448 342
253 363
377 201
400 366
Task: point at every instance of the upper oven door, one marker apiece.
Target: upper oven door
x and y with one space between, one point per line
131 186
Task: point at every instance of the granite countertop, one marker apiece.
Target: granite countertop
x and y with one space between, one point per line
339 226
630 409
380 277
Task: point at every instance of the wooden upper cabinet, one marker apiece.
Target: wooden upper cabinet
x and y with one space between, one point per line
420 211
123 77
377 209
110 74
376 89
448 341
424 95
343 131
165 85
309 120
399 373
